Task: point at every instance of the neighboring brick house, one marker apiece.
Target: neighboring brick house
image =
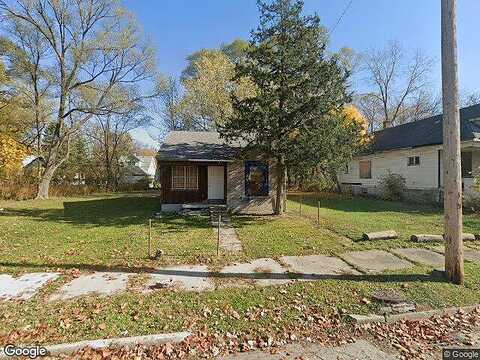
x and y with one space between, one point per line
415 151
200 168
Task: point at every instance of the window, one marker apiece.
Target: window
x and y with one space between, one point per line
365 169
184 178
467 164
256 178
413 161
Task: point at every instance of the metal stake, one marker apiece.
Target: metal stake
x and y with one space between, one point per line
318 212
301 202
150 238
218 234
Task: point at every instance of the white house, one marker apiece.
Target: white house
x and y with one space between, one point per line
415 151
139 168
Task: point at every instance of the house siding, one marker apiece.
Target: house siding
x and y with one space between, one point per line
421 177
238 202
425 179
170 196
235 197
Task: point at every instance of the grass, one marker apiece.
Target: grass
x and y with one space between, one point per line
110 232
288 235
164 311
96 233
351 217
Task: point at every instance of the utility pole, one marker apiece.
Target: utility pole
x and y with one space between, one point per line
452 175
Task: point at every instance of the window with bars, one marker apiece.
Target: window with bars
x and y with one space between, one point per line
413 161
184 177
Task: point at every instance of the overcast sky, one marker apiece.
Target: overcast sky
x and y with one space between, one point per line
180 27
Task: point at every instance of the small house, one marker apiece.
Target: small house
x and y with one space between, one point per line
199 168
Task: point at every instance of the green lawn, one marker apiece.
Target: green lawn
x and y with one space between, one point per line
287 235
110 232
97 232
351 217
343 220
253 311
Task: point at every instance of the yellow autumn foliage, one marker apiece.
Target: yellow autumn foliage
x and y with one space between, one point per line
208 94
11 155
352 115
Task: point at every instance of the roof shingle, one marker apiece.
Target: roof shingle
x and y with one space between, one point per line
197 145
426 132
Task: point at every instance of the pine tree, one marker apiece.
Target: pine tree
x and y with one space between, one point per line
297 84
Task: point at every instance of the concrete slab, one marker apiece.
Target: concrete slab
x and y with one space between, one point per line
98 283
262 272
183 277
25 286
313 265
422 256
145 340
374 261
468 254
360 349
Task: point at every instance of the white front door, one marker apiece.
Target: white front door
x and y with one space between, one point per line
216 183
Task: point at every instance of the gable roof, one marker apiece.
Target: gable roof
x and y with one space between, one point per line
197 146
146 163
426 132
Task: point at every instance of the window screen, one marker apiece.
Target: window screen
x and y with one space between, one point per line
184 177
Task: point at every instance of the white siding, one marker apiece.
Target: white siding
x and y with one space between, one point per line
423 176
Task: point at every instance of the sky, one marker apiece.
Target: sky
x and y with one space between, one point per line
180 27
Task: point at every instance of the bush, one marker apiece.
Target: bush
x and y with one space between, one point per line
24 190
392 187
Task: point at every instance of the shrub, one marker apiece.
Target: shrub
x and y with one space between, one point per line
392 186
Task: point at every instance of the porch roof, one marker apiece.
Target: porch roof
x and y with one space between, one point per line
197 146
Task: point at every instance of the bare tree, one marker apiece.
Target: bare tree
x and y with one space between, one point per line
469 98
97 54
110 135
399 87
167 106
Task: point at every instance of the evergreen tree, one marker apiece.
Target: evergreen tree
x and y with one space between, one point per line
297 85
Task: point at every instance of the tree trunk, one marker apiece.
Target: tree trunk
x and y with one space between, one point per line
44 184
451 144
280 194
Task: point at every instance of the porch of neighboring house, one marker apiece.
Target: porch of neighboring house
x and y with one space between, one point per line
470 163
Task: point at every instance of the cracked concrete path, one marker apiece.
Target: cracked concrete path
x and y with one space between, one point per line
24 286
375 261
99 283
314 265
183 277
361 349
229 240
257 272
422 256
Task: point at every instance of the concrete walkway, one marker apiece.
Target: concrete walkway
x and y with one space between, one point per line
257 272
360 349
229 240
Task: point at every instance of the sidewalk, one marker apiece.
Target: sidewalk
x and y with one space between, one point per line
257 272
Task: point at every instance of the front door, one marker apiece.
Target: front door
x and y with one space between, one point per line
216 183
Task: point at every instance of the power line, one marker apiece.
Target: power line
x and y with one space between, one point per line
341 16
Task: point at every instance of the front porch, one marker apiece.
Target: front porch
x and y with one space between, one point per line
192 184
470 163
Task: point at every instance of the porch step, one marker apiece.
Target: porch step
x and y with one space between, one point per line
195 206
